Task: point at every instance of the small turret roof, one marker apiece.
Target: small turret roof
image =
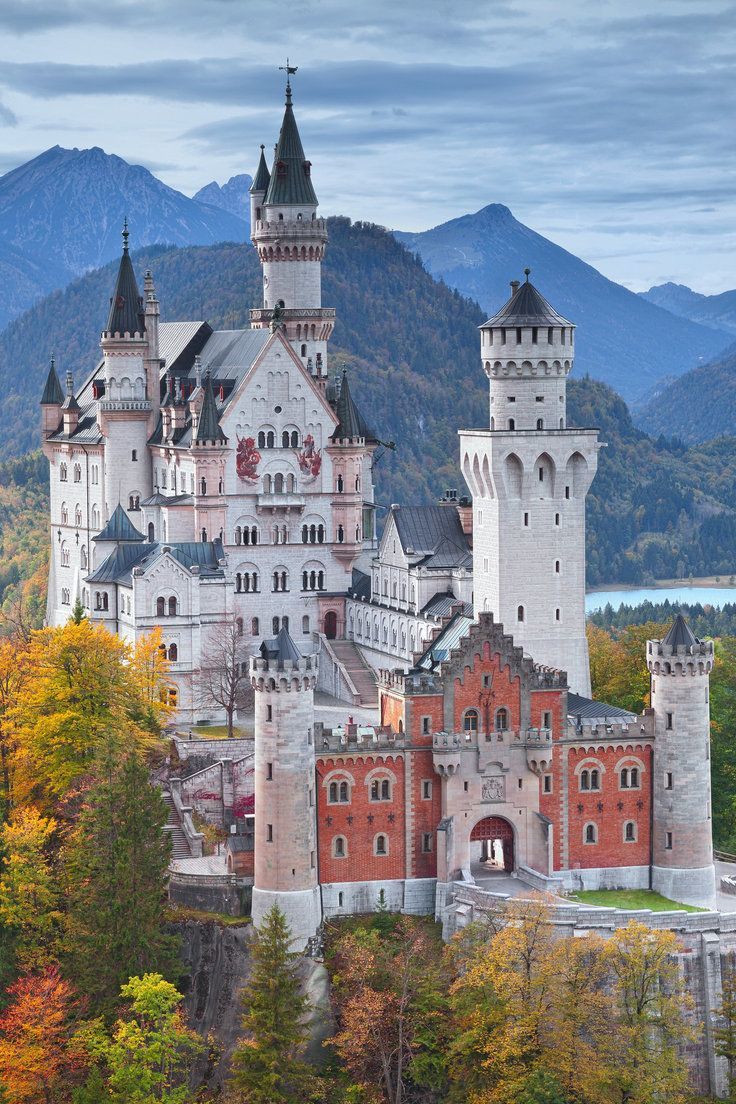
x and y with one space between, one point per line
680 634
281 649
208 426
126 305
52 393
351 423
527 307
263 177
290 182
119 528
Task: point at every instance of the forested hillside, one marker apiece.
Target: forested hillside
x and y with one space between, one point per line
698 406
657 509
23 537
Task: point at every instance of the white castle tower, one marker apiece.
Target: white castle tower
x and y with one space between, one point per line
285 799
682 842
529 475
291 240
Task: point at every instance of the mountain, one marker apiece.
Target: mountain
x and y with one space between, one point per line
61 215
621 338
657 508
233 197
716 311
698 406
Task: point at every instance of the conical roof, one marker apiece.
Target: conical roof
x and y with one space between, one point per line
263 176
52 393
527 307
351 423
208 426
680 634
280 649
126 305
119 528
290 181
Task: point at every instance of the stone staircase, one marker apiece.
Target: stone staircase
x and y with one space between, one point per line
362 674
179 843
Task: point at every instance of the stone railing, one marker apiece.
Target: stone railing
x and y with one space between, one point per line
195 839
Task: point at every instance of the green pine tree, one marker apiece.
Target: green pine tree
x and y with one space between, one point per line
269 1067
117 867
78 614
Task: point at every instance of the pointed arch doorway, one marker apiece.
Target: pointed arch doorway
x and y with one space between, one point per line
496 836
331 625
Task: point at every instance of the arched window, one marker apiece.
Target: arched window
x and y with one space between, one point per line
380 844
380 789
62 473
204 536
270 439
105 600
64 514
77 473
340 484
151 532
275 625
305 534
172 607
634 778
512 423
590 833
320 534
285 439
262 440
339 847
294 439
65 555
278 483
160 607
254 626
238 534
540 423
305 623
173 652
470 720
520 613
629 832
502 720
239 626
83 557
595 779
203 486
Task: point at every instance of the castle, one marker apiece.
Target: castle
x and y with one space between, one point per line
220 482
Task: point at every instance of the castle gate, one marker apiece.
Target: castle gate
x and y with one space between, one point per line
330 624
495 830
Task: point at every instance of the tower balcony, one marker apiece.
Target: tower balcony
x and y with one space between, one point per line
266 230
284 502
260 317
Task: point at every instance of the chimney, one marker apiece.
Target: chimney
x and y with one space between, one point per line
465 513
515 286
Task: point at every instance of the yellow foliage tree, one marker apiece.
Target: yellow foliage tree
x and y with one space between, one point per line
13 672
28 893
150 668
618 667
84 696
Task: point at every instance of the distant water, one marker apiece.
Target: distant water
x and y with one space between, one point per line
710 596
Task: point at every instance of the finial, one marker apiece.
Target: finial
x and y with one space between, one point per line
69 383
262 147
126 234
526 273
290 70
198 371
53 361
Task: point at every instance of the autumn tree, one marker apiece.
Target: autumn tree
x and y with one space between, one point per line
269 1066
618 667
724 1030
392 1012
224 675
639 1058
81 694
150 667
28 891
117 865
39 1062
147 1056
13 673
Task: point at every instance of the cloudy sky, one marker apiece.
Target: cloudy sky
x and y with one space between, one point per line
607 125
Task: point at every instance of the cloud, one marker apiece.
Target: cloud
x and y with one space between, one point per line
7 117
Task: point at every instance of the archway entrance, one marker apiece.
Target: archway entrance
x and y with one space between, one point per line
496 838
330 624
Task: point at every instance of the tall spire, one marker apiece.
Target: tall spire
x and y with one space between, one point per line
126 305
208 424
263 177
290 182
351 422
52 393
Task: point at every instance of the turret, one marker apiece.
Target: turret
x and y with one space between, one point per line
70 407
51 402
682 828
291 240
348 449
285 819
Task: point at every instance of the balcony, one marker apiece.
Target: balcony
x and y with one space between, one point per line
286 502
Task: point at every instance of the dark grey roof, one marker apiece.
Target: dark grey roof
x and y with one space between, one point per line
52 393
593 712
159 499
680 634
527 307
119 528
290 182
426 530
438 651
70 402
126 306
205 554
281 648
441 606
449 554
262 177
240 843
116 567
360 585
208 425
351 423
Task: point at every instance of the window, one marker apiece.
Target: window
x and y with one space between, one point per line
426 842
520 613
338 792
567 492
540 423
269 833
269 772
380 789
629 832
502 720
546 719
426 721
470 720
151 532
305 623
65 555
541 474
512 423
426 789
339 847
557 567
172 607
487 681
62 473
134 455
590 833
558 614
380 845
668 841
526 520
668 724
590 779
269 712
547 783
254 626
173 653
557 519
669 782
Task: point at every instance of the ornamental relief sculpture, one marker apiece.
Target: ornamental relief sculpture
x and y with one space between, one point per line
493 789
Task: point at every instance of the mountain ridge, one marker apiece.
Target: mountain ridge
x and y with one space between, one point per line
715 311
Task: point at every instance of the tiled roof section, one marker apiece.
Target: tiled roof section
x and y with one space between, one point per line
680 634
263 177
527 307
351 424
126 305
360 585
159 499
52 393
448 554
175 337
426 530
290 182
119 528
204 554
118 566
588 711
441 606
439 650
281 649
208 426
87 431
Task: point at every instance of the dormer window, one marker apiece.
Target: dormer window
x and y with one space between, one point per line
281 168
307 168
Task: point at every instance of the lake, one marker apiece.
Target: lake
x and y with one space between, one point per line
712 596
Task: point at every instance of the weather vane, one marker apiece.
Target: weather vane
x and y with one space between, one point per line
289 70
